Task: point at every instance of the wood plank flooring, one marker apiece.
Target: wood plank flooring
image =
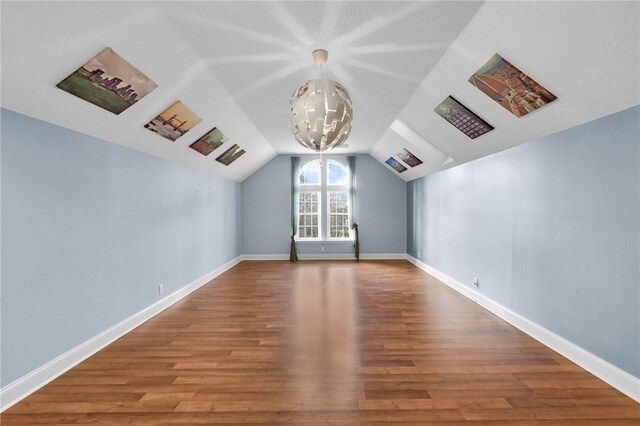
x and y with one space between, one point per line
326 342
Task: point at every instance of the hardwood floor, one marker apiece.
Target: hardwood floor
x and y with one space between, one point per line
326 342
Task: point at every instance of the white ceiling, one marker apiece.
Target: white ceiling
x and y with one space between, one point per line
237 63
586 53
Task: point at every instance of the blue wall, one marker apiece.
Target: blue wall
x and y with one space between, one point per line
381 209
552 230
89 231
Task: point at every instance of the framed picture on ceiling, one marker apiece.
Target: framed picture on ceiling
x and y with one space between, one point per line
462 118
512 89
174 121
408 158
395 165
108 81
230 155
209 142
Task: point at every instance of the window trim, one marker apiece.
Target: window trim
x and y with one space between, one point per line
338 188
310 185
346 176
324 188
314 188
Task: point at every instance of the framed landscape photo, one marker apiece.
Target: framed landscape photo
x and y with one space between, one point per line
514 90
395 165
209 142
108 81
408 158
174 121
230 155
462 118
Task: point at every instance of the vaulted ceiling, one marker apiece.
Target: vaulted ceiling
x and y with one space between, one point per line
237 63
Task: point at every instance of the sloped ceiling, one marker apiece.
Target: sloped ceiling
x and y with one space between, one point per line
237 63
586 53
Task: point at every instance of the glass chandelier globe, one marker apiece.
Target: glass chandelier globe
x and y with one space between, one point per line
321 111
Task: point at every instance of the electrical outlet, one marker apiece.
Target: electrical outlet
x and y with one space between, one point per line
476 282
161 289
418 255
321 249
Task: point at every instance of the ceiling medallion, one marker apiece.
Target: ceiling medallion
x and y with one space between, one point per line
321 111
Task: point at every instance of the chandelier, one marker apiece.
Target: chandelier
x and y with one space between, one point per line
321 111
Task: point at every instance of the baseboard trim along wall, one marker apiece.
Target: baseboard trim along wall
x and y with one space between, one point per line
327 256
26 385
619 379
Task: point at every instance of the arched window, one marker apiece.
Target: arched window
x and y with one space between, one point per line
310 173
309 181
337 173
339 224
321 182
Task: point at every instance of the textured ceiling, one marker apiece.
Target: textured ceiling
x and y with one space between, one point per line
237 63
42 42
586 53
381 51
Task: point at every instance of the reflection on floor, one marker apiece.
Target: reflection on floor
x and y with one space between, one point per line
333 341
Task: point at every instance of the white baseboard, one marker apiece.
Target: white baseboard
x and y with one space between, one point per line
265 257
327 256
619 379
26 385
